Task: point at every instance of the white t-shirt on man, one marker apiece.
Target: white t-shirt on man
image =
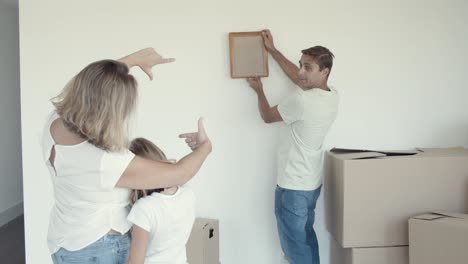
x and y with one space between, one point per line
308 115
169 220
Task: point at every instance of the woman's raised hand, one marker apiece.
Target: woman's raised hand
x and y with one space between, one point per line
145 59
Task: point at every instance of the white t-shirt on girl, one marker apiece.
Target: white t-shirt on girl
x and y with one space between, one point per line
169 220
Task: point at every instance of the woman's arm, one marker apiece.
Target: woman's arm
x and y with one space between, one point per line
138 246
143 173
145 59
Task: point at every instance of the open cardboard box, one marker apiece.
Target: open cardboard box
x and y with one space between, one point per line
370 195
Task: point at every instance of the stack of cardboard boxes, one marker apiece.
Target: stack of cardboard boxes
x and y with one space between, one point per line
371 195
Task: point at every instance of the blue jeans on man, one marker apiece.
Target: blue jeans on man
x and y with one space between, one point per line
295 216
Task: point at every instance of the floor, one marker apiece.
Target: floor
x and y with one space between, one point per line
12 242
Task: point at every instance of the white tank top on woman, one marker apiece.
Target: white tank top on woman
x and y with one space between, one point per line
87 205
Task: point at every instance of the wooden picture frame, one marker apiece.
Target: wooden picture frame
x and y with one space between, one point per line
248 55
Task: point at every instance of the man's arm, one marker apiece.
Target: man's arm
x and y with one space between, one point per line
288 67
268 114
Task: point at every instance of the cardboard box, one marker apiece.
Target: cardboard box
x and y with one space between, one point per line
439 238
203 244
372 255
371 195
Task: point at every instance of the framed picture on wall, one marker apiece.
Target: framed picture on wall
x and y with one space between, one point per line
248 56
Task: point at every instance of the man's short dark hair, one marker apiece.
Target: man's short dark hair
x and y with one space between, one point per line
323 56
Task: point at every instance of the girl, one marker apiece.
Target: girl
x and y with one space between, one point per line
162 218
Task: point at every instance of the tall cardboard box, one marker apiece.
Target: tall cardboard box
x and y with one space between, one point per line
437 238
371 195
203 244
372 255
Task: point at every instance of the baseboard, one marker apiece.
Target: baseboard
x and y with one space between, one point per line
11 213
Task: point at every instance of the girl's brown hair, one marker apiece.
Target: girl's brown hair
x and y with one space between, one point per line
146 149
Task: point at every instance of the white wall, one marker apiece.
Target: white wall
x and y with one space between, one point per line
11 181
400 68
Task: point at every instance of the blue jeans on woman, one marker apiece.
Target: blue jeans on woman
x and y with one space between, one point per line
109 249
295 216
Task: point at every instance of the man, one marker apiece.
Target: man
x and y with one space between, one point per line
307 114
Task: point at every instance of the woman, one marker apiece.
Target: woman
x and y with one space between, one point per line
85 147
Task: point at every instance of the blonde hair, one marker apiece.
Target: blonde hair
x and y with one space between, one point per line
97 104
147 149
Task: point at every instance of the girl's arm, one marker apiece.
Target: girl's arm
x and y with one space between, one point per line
143 173
138 246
